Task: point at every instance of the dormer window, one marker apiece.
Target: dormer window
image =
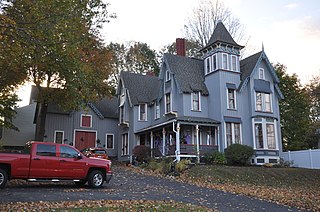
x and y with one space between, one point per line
168 103
261 73
143 112
168 77
195 101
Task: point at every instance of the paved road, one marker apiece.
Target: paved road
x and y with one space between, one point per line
127 185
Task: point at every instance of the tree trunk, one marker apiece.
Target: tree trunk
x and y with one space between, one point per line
40 121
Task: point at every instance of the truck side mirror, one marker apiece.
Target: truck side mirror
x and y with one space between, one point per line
78 156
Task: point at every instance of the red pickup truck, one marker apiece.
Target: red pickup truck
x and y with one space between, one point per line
45 161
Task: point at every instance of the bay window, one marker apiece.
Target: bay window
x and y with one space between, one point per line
264 133
263 102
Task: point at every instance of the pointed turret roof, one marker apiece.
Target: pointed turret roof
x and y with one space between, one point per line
221 34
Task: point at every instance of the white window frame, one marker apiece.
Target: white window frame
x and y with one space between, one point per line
168 76
261 74
235 99
234 67
108 134
207 65
227 62
264 122
145 111
263 102
124 151
199 101
156 110
232 133
55 135
165 102
81 124
214 61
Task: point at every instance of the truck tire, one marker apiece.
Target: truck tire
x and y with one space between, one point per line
95 179
3 178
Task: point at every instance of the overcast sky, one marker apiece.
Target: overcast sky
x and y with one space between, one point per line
289 30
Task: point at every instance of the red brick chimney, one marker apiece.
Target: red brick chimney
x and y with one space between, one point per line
181 46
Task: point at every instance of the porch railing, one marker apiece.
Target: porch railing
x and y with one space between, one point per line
186 149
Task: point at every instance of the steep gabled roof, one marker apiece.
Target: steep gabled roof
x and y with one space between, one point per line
221 35
188 73
247 65
107 107
142 88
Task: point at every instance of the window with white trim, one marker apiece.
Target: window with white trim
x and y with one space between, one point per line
263 102
125 144
58 136
233 63
86 120
168 102
122 113
143 112
195 101
265 133
261 73
225 61
231 98
207 66
168 77
214 62
157 110
109 141
233 133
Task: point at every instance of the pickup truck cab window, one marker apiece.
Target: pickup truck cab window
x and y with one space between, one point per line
46 150
67 152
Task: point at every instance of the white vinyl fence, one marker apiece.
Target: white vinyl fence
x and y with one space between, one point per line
309 159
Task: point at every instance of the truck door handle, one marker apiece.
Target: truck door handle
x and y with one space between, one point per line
36 158
63 161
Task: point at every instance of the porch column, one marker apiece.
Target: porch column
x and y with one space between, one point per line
163 141
198 144
178 142
151 143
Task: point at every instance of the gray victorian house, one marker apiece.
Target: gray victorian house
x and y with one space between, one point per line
199 105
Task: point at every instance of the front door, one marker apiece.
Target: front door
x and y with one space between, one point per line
84 139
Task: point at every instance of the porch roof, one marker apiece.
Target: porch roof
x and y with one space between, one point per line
183 120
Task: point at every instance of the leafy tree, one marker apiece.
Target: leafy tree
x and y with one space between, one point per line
313 135
294 111
12 74
134 57
61 49
199 27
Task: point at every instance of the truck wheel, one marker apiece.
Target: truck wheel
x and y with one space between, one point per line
3 178
95 179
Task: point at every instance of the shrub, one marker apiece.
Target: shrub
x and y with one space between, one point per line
182 165
215 157
141 153
237 154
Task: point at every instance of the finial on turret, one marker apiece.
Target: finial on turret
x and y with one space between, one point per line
262 47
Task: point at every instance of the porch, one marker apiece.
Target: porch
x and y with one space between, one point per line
182 138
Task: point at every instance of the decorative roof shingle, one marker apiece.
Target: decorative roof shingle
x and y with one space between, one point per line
108 107
142 88
221 34
247 65
188 73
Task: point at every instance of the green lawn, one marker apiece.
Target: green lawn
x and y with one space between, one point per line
290 186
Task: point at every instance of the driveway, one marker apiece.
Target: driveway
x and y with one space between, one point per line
128 185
